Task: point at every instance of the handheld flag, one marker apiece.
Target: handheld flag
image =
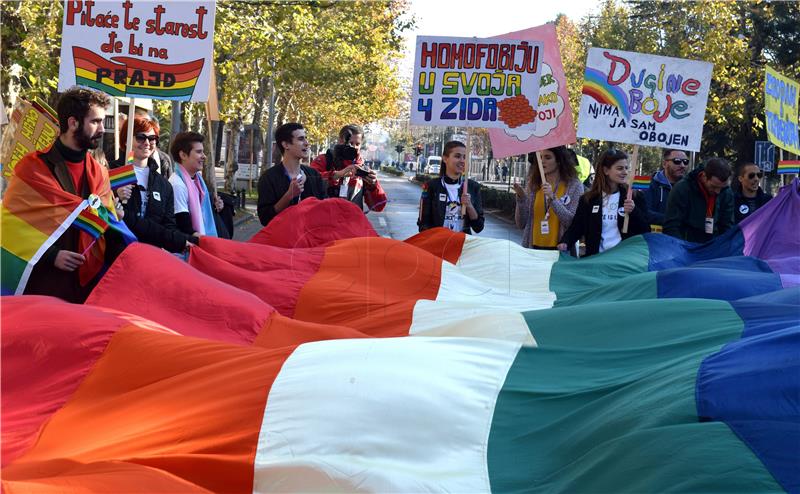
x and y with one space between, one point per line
788 167
122 176
91 223
641 182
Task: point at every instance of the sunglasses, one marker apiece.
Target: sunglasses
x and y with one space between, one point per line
752 175
144 137
680 161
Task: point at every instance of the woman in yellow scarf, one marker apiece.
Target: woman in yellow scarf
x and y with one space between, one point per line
545 208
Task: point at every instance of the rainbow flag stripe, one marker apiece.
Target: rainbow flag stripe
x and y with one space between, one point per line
126 76
641 182
122 176
91 223
789 167
596 87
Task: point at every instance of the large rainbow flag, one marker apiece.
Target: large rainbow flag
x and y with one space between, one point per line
127 76
36 211
312 360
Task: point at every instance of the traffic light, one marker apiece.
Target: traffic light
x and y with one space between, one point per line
399 148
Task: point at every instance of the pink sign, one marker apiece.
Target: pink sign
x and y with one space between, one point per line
554 125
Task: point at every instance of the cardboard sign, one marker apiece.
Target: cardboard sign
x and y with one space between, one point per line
780 110
644 99
554 126
473 82
31 128
138 48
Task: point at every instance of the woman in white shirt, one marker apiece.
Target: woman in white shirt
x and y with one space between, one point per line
601 210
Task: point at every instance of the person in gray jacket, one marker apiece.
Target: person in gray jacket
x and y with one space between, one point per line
545 208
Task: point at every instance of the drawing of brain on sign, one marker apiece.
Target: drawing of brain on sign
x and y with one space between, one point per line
644 99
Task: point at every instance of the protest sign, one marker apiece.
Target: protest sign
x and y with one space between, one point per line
554 126
136 48
32 128
473 82
780 109
644 99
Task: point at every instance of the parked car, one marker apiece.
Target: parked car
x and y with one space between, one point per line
432 165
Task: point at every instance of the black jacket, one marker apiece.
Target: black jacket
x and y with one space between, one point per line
157 227
686 211
588 221
744 206
274 183
432 207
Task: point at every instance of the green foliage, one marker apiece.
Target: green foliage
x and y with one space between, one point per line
331 63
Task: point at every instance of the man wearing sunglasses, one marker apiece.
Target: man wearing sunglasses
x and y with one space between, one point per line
748 195
674 166
700 206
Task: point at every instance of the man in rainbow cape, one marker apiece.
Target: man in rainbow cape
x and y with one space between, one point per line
60 222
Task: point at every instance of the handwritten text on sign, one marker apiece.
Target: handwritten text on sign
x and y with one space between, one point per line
780 101
144 48
476 82
644 99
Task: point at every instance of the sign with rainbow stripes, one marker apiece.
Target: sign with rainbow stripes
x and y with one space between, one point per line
158 50
644 99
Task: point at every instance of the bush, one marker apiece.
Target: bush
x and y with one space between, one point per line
392 171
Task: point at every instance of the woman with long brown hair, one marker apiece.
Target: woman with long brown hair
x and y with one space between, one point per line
601 210
545 208
442 198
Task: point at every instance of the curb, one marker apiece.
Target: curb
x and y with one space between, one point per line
243 216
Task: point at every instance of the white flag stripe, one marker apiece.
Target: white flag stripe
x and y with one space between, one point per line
340 417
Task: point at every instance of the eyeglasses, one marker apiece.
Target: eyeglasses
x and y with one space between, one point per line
752 175
680 161
144 137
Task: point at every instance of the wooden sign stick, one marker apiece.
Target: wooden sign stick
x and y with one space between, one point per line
129 142
466 172
541 168
631 174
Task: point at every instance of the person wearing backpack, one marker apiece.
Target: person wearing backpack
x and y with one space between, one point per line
342 169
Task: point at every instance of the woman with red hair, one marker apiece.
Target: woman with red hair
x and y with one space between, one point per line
149 205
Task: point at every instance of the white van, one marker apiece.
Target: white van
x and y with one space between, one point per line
432 165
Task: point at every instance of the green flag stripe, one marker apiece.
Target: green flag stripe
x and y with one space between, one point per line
572 276
607 404
11 269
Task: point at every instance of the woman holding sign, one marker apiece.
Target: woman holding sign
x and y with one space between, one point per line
601 211
545 210
451 201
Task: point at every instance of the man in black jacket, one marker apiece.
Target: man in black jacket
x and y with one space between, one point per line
700 207
286 184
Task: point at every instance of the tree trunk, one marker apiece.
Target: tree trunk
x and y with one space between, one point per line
745 142
232 158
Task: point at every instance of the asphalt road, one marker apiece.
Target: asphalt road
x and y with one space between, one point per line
399 219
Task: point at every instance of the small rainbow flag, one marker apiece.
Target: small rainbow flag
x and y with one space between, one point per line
122 176
789 167
641 182
91 223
